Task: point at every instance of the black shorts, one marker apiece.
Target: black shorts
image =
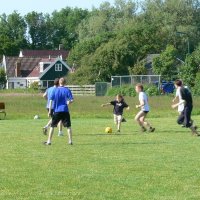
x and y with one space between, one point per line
52 111
61 116
145 112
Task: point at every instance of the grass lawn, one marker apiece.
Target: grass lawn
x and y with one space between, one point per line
163 165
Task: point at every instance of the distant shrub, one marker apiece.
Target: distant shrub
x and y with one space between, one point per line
34 85
151 90
129 90
125 90
196 88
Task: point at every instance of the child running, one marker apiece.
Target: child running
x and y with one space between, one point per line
144 106
119 105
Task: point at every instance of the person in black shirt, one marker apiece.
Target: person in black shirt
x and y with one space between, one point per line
119 105
186 99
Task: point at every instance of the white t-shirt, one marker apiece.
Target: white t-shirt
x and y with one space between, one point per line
143 97
178 94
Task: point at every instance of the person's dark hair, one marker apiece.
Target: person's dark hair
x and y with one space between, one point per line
56 82
178 82
139 85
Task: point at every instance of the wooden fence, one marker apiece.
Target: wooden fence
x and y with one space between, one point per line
82 89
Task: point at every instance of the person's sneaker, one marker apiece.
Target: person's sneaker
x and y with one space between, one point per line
70 143
44 130
60 134
46 143
123 120
143 129
151 129
118 131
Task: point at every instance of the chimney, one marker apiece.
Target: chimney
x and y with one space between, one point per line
60 47
21 54
61 57
18 69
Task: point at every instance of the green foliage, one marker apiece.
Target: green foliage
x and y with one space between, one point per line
190 68
166 64
12 34
81 76
138 69
196 88
129 90
34 85
81 50
125 90
2 78
151 90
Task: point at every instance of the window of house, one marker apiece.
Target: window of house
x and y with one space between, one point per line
44 84
58 67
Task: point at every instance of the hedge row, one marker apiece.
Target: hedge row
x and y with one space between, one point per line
129 90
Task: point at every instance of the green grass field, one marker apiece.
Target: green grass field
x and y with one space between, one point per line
163 165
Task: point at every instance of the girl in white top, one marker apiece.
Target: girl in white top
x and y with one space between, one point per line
144 106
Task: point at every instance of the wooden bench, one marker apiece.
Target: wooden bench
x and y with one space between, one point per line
2 110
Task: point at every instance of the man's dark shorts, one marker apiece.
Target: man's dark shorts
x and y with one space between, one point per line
61 116
52 111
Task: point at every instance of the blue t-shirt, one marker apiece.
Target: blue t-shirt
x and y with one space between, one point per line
49 93
60 96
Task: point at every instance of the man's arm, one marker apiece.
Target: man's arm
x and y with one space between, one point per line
45 95
141 104
178 104
175 98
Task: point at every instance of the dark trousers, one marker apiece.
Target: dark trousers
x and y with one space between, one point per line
185 117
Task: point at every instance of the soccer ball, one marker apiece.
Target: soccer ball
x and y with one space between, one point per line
108 130
36 117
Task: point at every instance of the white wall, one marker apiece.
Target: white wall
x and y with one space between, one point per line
14 83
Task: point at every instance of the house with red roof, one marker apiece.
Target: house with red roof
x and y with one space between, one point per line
41 66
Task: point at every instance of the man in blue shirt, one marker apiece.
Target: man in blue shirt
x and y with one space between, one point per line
47 96
61 97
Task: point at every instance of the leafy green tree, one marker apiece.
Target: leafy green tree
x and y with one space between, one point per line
190 68
65 23
12 34
38 30
166 64
87 47
138 69
196 88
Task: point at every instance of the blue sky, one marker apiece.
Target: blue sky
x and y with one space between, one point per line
45 6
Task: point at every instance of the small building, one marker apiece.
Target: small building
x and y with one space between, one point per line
41 66
56 69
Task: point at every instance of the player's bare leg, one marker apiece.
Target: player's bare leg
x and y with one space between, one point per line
69 131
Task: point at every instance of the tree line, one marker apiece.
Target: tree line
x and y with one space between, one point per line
113 39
